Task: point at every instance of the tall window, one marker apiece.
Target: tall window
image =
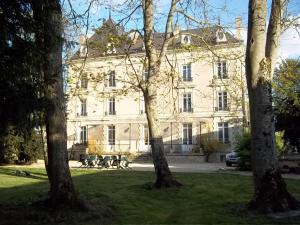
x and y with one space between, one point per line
84 82
112 79
223 132
111 135
145 74
83 135
187 102
112 106
187 129
222 70
187 72
222 100
146 134
83 107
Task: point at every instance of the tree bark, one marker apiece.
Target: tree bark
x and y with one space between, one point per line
271 194
164 177
62 191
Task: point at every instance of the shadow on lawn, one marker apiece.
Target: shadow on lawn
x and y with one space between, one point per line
23 203
19 172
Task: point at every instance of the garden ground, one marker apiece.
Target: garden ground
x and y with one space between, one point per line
204 198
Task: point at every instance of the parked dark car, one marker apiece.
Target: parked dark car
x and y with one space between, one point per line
231 158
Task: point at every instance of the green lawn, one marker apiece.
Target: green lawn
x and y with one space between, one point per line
204 198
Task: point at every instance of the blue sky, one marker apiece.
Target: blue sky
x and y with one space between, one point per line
224 10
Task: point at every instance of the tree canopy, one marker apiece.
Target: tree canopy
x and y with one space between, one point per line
287 101
20 81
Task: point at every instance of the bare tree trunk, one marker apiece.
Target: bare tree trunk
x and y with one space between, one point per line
164 177
61 186
271 194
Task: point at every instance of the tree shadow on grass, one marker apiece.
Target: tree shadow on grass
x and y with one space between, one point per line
17 172
24 203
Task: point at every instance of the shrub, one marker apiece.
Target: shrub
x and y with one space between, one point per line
19 147
279 141
242 147
210 145
32 148
12 143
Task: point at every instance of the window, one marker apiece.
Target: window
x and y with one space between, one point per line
112 79
186 39
223 132
83 107
222 70
187 133
222 101
187 102
146 134
84 82
111 135
145 74
83 135
187 72
112 109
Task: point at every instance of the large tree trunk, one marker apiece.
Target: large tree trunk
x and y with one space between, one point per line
163 174
61 186
164 177
271 194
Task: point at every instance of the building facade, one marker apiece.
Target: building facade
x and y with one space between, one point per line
200 92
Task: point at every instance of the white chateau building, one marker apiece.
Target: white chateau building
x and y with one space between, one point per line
200 91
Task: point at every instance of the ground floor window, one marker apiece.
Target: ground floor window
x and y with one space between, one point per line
83 135
223 132
187 129
111 135
146 135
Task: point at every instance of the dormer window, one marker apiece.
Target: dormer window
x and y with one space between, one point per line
186 39
111 49
220 36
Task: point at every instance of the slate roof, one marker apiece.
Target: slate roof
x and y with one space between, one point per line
98 42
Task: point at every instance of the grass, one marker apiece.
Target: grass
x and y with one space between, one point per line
204 198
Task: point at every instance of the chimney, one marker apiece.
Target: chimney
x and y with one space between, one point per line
176 30
83 47
82 40
238 27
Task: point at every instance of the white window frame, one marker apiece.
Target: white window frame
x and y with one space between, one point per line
83 107
111 130
112 79
145 74
187 102
187 133
83 135
187 72
222 70
84 82
146 135
223 103
112 106
223 132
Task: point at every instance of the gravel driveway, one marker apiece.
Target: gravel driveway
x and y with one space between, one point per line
177 167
